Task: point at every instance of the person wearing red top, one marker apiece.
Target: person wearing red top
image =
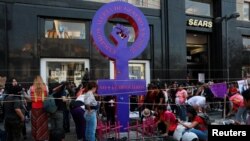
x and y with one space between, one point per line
232 90
39 118
197 126
166 121
238 107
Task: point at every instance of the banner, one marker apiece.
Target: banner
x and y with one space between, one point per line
219 89
242 84
201 77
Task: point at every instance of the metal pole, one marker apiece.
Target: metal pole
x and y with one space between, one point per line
227 65
226 20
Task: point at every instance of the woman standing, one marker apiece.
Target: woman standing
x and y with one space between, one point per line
39 118
77 110
180 100
90 113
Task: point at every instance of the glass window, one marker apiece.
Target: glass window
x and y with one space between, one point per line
64 29
246 42
197 55
242 7
196 48
59 70
138 69
199 7
246 11
154 4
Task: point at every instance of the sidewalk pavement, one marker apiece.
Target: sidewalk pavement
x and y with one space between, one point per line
71 136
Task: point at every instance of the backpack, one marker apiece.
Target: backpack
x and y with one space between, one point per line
49 104
205 117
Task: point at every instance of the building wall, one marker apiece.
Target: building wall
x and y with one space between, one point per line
3 43
26 43
176 37
22 43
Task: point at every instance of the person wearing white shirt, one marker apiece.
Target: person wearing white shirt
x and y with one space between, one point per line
198 102
90 111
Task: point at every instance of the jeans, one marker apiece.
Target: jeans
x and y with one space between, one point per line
91 123
202 135
241 114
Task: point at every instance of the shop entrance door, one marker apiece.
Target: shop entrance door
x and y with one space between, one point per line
59 70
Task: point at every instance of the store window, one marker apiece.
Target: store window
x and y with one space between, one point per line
246 42
246 11
197 56
153 4
60 70
64 29
199 7
138 69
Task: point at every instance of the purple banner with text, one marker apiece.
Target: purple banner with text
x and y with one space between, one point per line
121 87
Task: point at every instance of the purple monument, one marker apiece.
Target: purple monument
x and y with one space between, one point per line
120 52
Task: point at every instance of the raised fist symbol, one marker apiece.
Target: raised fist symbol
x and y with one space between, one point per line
120 34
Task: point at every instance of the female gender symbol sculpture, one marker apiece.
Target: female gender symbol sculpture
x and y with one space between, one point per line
119 52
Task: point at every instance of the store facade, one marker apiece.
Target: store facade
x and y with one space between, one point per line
52 38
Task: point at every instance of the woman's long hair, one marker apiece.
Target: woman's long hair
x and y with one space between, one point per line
38 87
91 85
192 111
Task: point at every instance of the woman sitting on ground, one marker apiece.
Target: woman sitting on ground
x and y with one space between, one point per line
197 126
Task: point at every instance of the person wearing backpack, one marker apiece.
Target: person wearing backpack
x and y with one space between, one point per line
197 126
56 118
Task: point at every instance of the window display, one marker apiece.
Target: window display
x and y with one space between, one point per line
138 69
61 70
64 29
